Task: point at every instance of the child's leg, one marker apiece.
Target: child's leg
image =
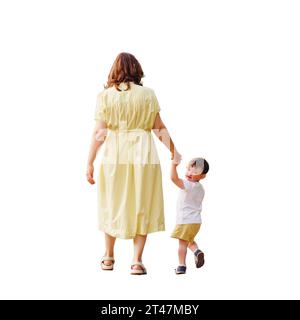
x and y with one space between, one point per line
109 246
198 254
193 246
182 251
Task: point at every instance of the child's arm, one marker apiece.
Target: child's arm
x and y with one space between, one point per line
174 175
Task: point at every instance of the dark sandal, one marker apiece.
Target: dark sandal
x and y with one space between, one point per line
199 258
180 270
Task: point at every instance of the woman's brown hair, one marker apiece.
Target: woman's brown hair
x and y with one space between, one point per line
125 68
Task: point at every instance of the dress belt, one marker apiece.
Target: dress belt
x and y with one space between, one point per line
131 130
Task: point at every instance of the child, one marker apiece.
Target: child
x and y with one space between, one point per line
189 205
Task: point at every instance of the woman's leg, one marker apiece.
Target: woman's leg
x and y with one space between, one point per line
139 244
182 251
109 246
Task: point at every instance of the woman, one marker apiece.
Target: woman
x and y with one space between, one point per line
130 196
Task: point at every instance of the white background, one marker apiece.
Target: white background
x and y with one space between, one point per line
226 74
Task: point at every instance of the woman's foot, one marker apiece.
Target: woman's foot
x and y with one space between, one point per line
137 268
107 263
180 270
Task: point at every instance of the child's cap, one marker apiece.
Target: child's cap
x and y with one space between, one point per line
196 166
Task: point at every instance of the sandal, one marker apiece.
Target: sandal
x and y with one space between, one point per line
138 271
180 270
199 258
109 267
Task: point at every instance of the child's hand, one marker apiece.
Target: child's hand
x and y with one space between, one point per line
174 175
175 163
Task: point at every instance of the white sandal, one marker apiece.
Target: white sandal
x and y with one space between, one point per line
138 271
107 267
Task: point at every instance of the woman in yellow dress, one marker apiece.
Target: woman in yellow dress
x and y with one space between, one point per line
130 195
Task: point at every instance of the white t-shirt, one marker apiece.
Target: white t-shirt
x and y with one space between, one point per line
189 203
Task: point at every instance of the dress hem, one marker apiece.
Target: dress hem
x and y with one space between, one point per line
122 236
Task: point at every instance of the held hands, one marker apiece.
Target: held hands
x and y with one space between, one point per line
90 173
176 158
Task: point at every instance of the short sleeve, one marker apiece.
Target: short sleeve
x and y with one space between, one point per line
100 112
187 184
154 104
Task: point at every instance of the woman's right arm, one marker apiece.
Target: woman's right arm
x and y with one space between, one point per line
163 135
98 138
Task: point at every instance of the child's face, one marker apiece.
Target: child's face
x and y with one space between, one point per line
192 174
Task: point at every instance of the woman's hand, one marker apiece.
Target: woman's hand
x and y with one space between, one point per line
90 173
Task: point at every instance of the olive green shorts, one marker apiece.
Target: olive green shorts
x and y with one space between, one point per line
186 232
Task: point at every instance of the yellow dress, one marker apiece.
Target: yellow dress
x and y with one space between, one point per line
130 195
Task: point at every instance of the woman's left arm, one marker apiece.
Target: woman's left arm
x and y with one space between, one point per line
98 137
161 131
